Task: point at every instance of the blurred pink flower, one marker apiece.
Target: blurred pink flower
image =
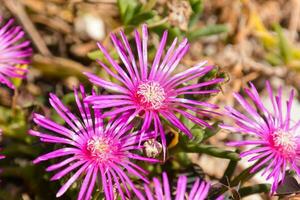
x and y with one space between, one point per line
276 141
13 51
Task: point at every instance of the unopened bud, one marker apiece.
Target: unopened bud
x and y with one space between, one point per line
152 148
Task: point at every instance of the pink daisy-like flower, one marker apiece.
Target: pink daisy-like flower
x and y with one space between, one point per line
153 91
13 51
91 149
163 191
276 143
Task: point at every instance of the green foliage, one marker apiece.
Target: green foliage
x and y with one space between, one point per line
199 134
196 144
213 151
254 189
279 50
197 6
207 31
132 12
284 47
14 123
98 55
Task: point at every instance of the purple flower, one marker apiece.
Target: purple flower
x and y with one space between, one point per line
153 91
13 51
91 149
276 144
162 191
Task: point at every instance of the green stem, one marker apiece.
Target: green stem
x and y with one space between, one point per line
213 151
259 188
229 171
240 179
244 176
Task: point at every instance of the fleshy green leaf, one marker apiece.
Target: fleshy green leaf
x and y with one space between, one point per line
97 54
283 45
197 5
142 17
207 31
127 8
213 151
94 55
254 189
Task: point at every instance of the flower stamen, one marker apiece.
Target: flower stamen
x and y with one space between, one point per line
100 148
151 95
285 141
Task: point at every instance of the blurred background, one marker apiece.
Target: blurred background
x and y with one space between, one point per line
247 40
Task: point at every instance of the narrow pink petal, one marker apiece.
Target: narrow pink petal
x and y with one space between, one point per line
65 187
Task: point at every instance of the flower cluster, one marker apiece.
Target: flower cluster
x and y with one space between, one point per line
149 93
103 142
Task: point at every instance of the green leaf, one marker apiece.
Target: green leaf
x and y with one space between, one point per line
197 6
175 32
149 5
142 17
127 8
198 135
14 124
94 55
283 45
129 14
68 98
213 151
188 123
194 19
209 132
254 189
245 175
207 31
98 55
273 59
17 149
229 172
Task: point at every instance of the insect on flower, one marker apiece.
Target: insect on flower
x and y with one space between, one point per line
276 142
153 91
14 51
97 151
